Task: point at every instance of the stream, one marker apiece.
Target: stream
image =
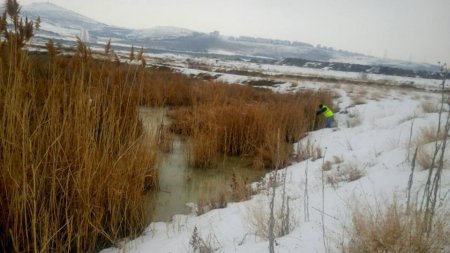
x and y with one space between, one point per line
181 184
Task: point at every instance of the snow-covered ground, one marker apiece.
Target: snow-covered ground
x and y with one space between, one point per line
372 137
215 66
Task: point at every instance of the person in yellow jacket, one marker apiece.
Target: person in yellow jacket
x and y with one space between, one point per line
327 113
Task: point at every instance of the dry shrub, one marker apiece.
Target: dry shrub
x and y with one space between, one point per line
425 143
424 157
206 202
213 197
258 221
240 189
200 245
349 173
73 163
354 119
390 229
429 107
307 150
327 166
430 135
354 174
221 200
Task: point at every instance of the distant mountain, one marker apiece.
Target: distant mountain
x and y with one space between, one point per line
53 14
64 25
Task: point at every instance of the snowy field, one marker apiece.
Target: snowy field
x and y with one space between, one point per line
373 137
216 66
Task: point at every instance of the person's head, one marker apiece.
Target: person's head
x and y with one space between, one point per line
320 106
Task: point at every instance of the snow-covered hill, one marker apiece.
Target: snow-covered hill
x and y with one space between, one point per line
60 23
64 25
57 15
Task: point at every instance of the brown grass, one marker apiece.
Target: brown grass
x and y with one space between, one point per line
306 150
327 166
258 221
430 135
349 173
207 201
429 107
390 229
424 157
240 188
73 166
424 142
244 121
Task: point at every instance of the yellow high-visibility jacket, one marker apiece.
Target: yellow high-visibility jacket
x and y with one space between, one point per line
327 112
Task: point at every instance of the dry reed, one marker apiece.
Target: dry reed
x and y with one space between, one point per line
243 121
73 166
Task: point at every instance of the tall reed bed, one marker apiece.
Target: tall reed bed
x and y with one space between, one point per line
73 160
73 163
244 121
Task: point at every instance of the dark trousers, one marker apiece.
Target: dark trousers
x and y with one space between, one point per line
329 122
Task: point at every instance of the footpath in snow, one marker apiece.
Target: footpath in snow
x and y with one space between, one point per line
365 161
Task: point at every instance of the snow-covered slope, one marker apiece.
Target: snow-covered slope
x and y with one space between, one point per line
373 137
63 17
64 25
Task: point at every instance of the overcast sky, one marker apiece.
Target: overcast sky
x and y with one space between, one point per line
417 30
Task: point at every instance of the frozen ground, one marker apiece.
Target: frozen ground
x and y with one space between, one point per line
373 137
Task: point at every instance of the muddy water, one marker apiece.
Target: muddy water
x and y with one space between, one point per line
180 184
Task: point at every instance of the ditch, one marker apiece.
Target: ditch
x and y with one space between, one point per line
181 185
